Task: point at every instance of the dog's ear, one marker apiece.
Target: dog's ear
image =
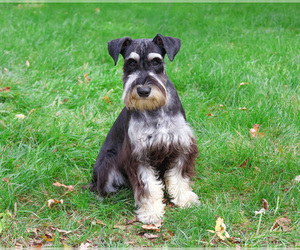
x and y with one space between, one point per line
171 45
117 46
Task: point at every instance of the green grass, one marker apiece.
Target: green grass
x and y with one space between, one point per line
67 120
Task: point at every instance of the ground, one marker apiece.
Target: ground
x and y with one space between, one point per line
60 93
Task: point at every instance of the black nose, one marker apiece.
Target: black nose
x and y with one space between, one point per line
143 91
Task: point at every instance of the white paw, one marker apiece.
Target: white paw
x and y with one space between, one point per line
149 214
186 199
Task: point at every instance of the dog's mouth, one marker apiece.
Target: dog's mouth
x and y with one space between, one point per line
145 97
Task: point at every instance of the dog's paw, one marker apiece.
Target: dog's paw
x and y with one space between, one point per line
151 213
186 199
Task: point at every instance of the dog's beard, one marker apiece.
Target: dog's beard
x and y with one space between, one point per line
156 99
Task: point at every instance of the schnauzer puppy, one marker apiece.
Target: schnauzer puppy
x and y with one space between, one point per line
150 147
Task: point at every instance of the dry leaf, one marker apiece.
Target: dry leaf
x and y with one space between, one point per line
253 131
210 114
284 223
244 108
265 204
122 227
86 78
5 179
244 164
48 237
66 100
297 178
5 89
130 222
54 201
154 227
70 187
243 83
20 116
79 81
97 10
221 105
64 231
150 236
220 229
105 98
27 63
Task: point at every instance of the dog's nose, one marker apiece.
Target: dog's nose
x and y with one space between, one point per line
144 91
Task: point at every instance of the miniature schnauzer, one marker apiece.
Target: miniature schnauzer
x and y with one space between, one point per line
150 147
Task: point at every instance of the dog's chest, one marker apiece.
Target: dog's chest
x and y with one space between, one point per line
159 133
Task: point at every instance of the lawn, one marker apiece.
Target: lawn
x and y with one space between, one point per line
60 93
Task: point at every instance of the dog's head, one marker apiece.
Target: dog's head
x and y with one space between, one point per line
144 75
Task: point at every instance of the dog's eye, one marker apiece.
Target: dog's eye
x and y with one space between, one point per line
156 62
132 63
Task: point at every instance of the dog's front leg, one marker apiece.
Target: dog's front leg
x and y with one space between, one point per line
179 186
148 195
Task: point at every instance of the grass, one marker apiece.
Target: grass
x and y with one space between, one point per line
66 120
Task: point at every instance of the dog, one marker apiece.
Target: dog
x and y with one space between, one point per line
150 147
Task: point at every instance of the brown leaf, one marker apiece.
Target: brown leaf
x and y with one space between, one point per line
70 187
244 108
130 222
105 98
66 100
100 222
210 114
150 236
86 78
6 180
5 89
122 227
256 127
244 164
79 80
265 204
154 227
284 223
54 201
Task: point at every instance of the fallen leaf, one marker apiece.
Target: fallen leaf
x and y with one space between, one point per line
297 178
70 187
244 164
27 63
97 10
5 89
220 229
100 222
79 80
221 105
86 78
210 114
130 222
84 246
155 227
5 179
122 227
48 237
150 236
252 133
244 108
284 223
256 127
265 204
168 235
243 83
66 100
105 98
20 116
54 201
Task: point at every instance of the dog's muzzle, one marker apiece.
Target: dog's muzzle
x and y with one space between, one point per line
149 95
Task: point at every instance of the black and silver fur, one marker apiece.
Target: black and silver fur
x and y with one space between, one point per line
150 146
